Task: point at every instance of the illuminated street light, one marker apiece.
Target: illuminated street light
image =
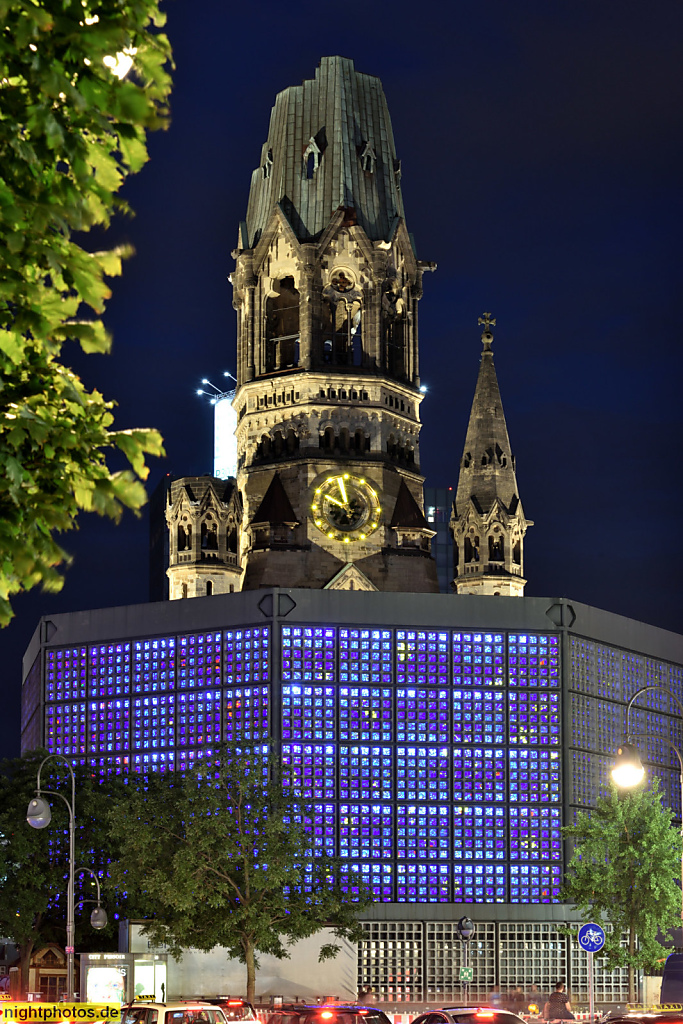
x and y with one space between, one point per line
628 770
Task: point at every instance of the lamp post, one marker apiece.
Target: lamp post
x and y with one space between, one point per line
39 815
466 929
98 918
628 770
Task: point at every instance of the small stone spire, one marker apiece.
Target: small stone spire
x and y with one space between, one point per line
488 523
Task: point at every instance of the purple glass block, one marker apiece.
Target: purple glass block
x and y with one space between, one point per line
366 773
320 821
478 659
109 726
534 660
423 773
366 831
534 776
479 774
153 761
110 670
423 883
153 722
534 717
246 713
198 718
479 833
365 713
66 674
105 766
422 658
479 716
154 665
308 654
198 660
247 656
366 656
311 769
423 832
65 729
480 883
535 883
379 877
535 833
422 716
308 712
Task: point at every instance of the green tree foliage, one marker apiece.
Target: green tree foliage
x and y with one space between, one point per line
71 131
625 867
34 862
223 853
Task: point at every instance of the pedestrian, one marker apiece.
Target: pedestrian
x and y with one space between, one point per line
534 1001
515 1000
558 1006
495 998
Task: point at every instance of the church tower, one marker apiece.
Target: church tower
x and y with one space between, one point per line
488 523
326 290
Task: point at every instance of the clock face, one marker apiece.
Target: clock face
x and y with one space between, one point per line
346 508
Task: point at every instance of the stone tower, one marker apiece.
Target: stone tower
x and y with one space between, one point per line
326 290
488 523
203 516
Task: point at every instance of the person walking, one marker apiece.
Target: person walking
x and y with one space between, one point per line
558 1006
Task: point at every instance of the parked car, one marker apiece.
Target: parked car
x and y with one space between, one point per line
234 1009
646 1017
179 1012
469 1015
326 1013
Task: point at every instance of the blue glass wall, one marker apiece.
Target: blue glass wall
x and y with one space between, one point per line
430 759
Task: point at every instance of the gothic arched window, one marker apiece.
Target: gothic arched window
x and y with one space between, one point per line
282 326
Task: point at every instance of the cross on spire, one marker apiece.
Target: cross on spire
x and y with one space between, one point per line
486 320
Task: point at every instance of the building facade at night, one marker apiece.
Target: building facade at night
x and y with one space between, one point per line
442 741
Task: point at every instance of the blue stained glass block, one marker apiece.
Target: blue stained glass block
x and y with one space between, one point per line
198 718
422 658
153 722
479 832
535 883
308 654
105 766
246 656
366 656
478 659
535 833
110 670
366 773
423 883
65 729
366 831
423 773
534 660
534 717
66 674
308 712
245 711
198 660
153 761
320 821
311 769
422 716
109 726
479 774
479 716
534 776
154 665
365 713
379 877
480 883
423 832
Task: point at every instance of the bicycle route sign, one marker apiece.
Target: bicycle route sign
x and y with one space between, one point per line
591 937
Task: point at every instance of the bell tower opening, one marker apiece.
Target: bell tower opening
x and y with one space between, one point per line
282 326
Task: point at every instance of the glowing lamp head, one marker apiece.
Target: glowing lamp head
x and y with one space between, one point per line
98 918
39 814
628 770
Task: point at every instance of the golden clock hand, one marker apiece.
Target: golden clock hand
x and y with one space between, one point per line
342 488
335 501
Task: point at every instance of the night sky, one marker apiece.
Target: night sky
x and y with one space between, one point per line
541 150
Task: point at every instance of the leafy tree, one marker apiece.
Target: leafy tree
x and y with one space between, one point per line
224 854
71 130
34 862
625 866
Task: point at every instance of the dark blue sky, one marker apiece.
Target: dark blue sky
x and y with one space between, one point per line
542 167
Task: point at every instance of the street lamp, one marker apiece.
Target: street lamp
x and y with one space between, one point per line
466 929
39 815
98 918
628 770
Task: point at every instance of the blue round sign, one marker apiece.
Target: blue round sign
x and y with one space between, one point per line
591 937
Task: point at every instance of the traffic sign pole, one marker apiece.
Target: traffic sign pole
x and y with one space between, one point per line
591 939
591 993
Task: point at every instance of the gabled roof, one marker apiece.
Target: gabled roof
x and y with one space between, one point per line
275 508
341 121
487 468
407 512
